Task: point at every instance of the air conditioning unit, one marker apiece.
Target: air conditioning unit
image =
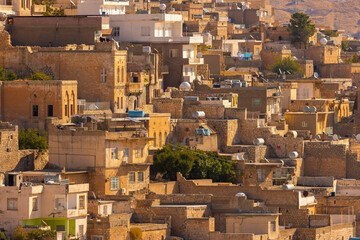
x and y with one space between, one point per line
123 190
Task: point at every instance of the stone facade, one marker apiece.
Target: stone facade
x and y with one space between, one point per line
33 103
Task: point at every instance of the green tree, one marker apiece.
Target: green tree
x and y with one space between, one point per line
32 139
193 164
344 46
331 33
300 28
287 65
2 236
50 11
354 59
41 234
40 76
20 234
6 75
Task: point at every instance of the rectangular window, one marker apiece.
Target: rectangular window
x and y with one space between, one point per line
105 210
66 110
139 153
132 177
81 230
82 202
60 203
35 110
71 109
122 102
140 176
273 226
126 155
145 31
114 153
114 183
12 204
103 75
118 103
50 110
35 204
173 53
261 175
116 31
304 124
60 228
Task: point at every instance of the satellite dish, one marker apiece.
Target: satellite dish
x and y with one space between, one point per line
305 193
323 41
316 75
357 137
318 137
306 109
313 109
240 157
312 43
162 7
335 137
93 107
284 47
185 86
294 58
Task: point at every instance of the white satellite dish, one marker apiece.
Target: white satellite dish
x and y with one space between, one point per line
284 47
162 7
335 137
318 137
323 41
316 75
357 137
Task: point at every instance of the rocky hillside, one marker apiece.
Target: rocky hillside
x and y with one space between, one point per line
338 14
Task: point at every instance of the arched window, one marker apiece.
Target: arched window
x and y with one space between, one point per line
160 140
118 74
154 139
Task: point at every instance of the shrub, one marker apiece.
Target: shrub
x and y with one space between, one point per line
32 139
40 76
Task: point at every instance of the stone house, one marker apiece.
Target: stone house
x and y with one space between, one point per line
30 104
101 80
119 162
62 207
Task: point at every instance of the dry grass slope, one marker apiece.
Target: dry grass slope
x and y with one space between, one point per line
338 14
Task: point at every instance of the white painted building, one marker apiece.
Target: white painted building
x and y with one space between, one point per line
102 7
151 28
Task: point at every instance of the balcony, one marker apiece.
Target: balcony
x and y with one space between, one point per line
135 87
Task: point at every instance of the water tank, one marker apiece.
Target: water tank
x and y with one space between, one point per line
293 155
288 187
258 141
292 134
135 114
306 109
185 86
190 98
198 114
312 109
323 41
